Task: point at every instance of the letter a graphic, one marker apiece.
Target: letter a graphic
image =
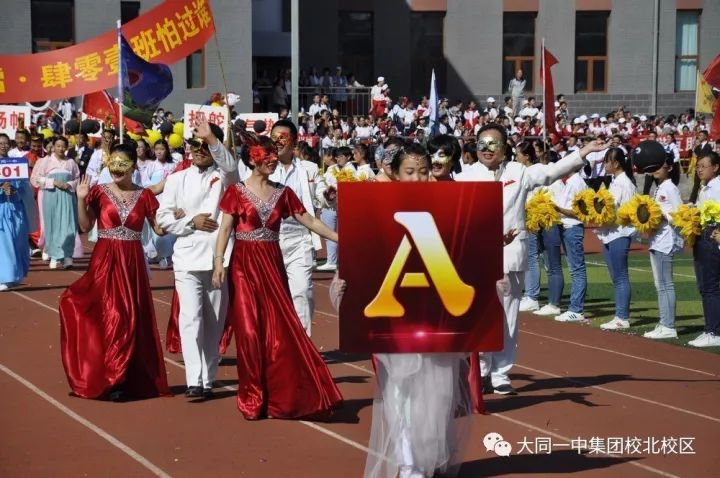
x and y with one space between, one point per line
455 295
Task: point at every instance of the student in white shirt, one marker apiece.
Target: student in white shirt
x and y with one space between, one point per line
616 239
189 209
573 235
517 180
328 214
706 254
664 243
360 156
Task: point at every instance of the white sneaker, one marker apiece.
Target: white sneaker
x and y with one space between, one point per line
549 309
528 305
616 324
327 267
4 287
45 256
661 332
67 263
568 316
164 263
706 339
53 264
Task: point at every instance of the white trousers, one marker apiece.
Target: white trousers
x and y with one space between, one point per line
498 364
201 322
297 251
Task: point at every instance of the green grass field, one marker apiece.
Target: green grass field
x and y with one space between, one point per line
600 302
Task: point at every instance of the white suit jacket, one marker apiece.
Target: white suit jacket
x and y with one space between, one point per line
518 181
310 184
197 192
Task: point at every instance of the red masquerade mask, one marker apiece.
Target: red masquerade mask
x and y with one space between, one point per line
259 155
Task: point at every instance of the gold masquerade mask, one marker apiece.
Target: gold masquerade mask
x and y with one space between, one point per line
440 158
281 139
120 163
488 143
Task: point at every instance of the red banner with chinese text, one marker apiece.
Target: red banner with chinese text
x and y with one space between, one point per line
421 271
166 34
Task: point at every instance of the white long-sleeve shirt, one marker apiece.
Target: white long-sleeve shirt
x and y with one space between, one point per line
518 181
197 192
666 239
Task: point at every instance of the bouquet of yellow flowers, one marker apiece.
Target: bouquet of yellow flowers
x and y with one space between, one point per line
596 208
687 221
344 175
641 212
710 213
540 212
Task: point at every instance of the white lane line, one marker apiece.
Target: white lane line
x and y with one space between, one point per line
666 364
538 429
622 394
312 425
154 469
638 269
643 359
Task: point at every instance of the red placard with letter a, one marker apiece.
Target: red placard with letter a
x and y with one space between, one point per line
421 262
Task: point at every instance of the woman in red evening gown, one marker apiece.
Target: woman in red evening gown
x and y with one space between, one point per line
109 340
280 374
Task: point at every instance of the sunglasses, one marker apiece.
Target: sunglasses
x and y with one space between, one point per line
198 146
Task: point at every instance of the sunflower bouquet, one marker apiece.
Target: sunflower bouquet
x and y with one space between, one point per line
710 214
540 212
344 175
596 208
642 212
687 222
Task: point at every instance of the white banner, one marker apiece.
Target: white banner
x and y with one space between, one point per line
251 118
9 116
218 115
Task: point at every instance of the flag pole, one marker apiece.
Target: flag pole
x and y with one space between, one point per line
545 105
121 92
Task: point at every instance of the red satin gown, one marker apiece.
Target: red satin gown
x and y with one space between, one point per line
108 332
280 374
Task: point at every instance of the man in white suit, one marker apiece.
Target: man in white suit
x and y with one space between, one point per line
189 209
518 180
296 242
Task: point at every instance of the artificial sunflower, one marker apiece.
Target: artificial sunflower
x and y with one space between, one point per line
540 212
582 205
687 221
642 212
344 175
603 207
710 213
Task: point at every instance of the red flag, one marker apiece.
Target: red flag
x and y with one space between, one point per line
549 99
712 73
715 126
99 105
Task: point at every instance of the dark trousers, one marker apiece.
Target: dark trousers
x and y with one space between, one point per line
695 189
706 253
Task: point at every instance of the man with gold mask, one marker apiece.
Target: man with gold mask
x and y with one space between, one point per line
189 209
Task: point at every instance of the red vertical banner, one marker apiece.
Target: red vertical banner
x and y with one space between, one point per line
421 271
549 99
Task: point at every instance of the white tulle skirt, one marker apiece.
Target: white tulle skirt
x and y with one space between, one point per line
421 415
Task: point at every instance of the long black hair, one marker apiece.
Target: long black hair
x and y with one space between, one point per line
618 154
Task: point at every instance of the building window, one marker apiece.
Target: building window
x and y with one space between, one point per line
591 51
129 11
519 47
426 45
52 24
686 49
355 45
286 15
195 69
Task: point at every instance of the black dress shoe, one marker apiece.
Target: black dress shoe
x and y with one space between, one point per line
208 393
194 392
